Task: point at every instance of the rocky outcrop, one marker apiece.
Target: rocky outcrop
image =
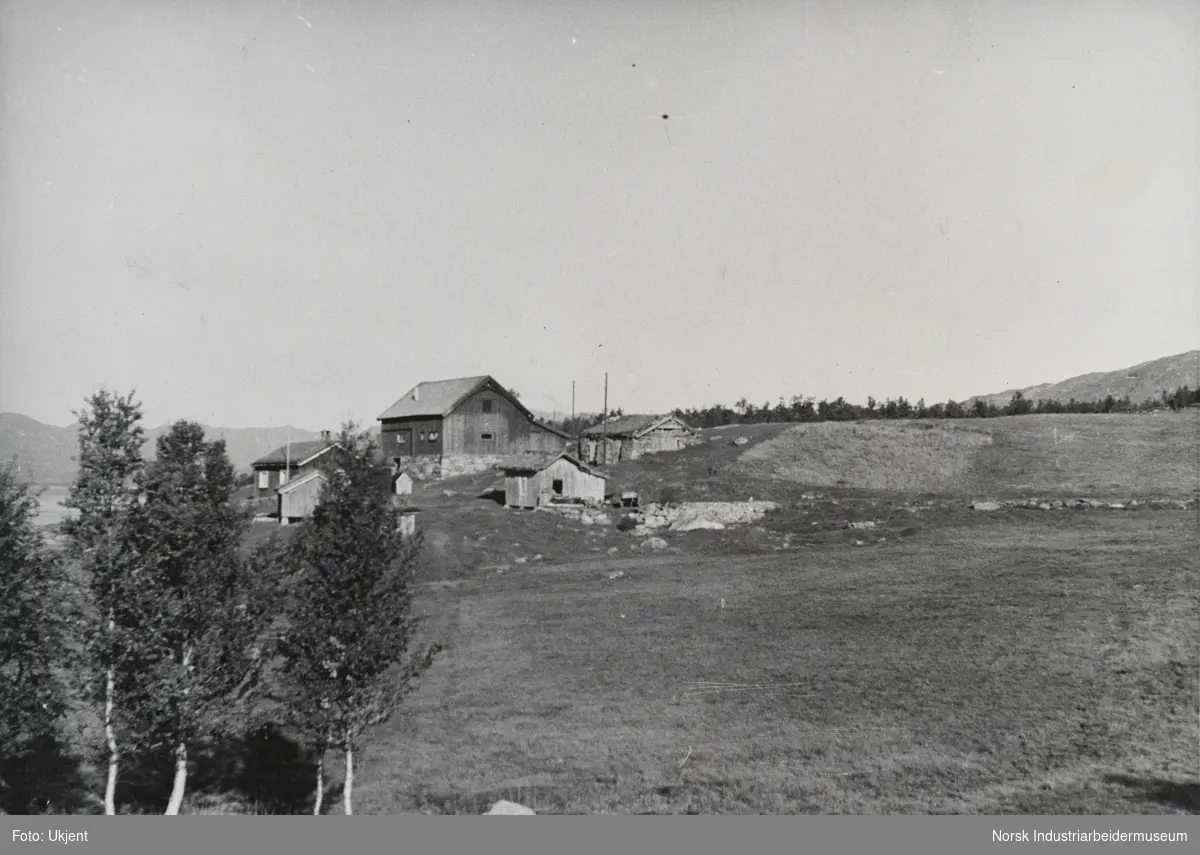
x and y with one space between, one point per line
1085 504
690 516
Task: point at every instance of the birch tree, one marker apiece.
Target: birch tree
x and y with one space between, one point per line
203 619
104 492
346 662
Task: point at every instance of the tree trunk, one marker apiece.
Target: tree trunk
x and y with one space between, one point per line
176 801
320 784
348 790
180 780
110 736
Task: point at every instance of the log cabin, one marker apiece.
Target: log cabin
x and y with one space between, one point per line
629 437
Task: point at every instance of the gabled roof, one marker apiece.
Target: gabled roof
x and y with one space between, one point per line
303 479
630 425
532 463
438 399
299 453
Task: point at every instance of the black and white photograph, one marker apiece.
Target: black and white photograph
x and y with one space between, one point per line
720 407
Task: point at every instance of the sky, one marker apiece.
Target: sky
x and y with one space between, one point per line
260 212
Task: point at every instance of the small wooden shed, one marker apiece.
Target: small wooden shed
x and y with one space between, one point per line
402 484
530 483
298 498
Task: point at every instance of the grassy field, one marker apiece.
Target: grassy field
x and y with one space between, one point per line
943 660
982 666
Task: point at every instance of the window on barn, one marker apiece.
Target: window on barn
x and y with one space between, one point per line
557 486
264 479
486 436
486 405
283 477
422 436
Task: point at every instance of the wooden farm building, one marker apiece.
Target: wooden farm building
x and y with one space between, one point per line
452 427
298 497
629 437
532 482
288 462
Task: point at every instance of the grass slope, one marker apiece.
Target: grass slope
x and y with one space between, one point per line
1127 455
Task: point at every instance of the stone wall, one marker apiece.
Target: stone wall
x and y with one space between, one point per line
469 464
423 468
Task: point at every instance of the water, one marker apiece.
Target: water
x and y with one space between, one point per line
49 509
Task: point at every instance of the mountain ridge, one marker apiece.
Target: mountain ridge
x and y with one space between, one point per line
1137 382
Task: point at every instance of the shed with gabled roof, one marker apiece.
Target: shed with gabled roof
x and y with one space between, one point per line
537 480
298 498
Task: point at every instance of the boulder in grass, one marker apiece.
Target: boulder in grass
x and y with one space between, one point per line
507 808
985 506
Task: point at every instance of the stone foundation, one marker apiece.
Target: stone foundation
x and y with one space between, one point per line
469 464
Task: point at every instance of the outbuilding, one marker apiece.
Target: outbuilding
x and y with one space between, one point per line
298 498
535 481
629 437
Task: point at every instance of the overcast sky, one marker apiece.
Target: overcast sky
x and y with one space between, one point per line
264 212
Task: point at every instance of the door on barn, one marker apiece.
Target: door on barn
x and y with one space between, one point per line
404 443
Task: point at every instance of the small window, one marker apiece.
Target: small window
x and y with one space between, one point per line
557 486
422 436
486 405
283 477
433 435
264 479
485 436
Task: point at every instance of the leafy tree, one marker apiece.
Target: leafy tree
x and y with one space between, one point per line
104 493
346 660
202 610
1019 405
33 622
955 410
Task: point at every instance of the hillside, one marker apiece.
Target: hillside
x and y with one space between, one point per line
1138 382
45 452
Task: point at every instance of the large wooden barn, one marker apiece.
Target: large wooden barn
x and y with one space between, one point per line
452 427
629 437
537 481
272 471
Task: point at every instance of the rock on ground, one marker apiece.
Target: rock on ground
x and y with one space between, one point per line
654 543
985 506
697 523
507 808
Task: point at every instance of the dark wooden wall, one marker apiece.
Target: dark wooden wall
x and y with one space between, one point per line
391 431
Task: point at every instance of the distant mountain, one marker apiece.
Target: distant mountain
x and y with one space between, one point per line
1139 382
45 453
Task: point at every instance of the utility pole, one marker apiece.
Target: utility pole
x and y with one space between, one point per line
605 421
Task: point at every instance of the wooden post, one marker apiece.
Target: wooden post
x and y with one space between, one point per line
605 422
